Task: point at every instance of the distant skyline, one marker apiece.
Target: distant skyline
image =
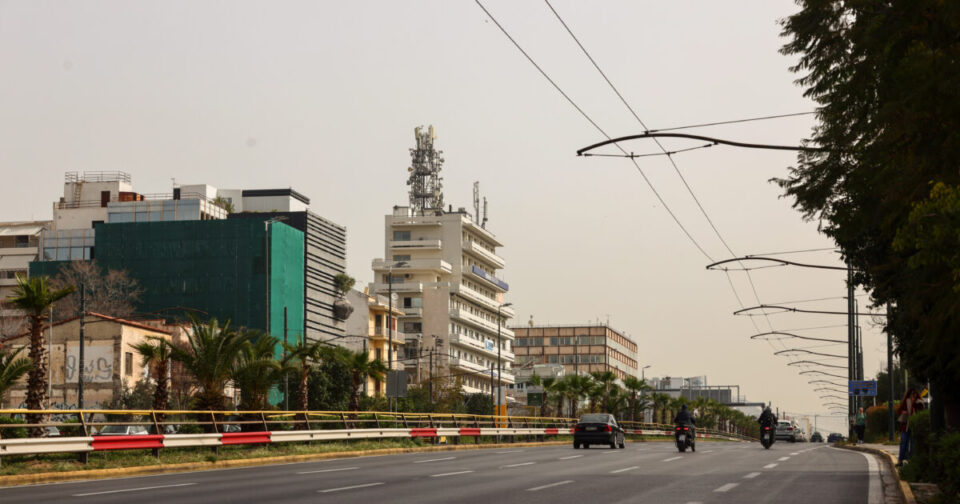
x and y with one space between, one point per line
324 97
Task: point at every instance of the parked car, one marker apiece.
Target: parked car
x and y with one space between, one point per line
816 438
788 431
598 428
51 432
835 437
123 430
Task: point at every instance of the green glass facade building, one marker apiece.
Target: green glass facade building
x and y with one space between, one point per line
243 270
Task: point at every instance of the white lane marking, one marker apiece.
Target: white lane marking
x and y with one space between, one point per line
449 474
694 502
365 485
781 459
727 487
433 460
570 457
534 489
708 451
770 466
794 453
625 469
133 489
672 458
510 451
874 490
520 464
751 475
608 453
329 470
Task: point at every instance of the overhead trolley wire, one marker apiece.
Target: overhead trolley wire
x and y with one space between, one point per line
673 162
595 125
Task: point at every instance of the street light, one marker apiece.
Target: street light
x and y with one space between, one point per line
499 371
813 363
824 373
398 264
642 374
790 351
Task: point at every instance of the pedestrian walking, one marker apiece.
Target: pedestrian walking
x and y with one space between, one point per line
860 424
906 409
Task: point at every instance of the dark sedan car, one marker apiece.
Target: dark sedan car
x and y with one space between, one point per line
835 437
816 438
598 428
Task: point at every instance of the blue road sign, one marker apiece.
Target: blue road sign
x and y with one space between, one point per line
863 387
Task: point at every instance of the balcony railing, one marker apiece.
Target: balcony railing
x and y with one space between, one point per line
381 265
496 282
488 351
415 244
481 322
486 255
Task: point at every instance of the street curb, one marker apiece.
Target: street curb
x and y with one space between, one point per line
59 477
905 491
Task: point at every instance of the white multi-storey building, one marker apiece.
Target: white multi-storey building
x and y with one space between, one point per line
444 274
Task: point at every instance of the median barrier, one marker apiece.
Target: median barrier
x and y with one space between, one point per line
138 442
45 445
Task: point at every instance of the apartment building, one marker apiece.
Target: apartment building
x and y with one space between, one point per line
19 246
369 329
443 267
579 348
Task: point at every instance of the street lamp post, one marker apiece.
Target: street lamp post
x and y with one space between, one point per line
499 369
643 375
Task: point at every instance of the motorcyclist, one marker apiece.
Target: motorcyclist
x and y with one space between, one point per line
685 419
767 418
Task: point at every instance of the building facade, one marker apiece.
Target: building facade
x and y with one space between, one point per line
110 361
19 246
579 348
368 330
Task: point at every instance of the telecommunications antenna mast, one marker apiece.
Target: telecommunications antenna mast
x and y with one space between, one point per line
426 184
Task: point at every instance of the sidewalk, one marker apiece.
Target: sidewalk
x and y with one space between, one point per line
891 449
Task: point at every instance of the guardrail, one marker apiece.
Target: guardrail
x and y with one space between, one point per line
84 431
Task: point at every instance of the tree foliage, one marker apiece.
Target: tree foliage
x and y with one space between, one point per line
885 77
111 293
12 368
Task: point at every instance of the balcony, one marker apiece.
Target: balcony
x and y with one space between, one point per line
381 266
480 299
488 350
422 244
382 288
465 364
485 255
490 280
413 312
481 323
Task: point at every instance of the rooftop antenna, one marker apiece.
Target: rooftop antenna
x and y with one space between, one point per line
426 184
483 224
476 201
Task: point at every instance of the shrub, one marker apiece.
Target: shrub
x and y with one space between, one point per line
12 432
878 423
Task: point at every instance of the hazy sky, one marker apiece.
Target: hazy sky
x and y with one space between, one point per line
323 97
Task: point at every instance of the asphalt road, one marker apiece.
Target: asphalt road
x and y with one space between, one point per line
643 472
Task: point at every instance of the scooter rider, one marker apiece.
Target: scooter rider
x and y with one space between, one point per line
767 418
685 419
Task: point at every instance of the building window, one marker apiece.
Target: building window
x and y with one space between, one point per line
401 258
401 236
128 363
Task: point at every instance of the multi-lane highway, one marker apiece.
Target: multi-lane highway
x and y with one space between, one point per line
643 472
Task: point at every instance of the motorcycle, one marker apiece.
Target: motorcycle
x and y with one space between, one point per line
685 438
767 436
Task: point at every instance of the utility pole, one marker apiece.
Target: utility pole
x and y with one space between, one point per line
286 377
890 374
576 354
851 350
80 363
491 388
431 369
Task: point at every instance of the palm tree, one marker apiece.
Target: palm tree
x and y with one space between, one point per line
255 371
675 404
361 368
606 381
559 390
637 389
12 368
304 355
209 357
35 297
660 403
577 388
155 354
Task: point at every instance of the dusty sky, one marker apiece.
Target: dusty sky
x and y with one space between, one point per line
324 96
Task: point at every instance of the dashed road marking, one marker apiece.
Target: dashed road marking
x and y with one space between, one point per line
433 460
672 458
751 475
541 487
794 453
133 489
781 459
570 457
335 469
770 466
727 487
509 451
365 485
449 474
520 464
625 469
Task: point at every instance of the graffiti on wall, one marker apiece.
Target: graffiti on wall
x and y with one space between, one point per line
98 365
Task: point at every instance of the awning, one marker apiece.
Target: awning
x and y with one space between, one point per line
20 229
16 262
